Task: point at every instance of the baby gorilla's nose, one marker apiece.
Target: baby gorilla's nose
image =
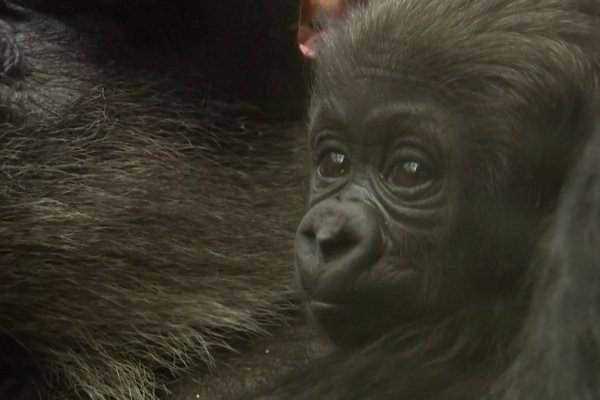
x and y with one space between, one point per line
344 237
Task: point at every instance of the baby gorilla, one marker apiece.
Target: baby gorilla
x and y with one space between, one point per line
442 135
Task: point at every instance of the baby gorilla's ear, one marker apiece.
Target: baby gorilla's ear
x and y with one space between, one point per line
314 15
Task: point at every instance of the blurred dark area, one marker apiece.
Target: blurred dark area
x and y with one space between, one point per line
245 48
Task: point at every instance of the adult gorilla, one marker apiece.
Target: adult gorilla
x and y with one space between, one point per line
451 246
145 225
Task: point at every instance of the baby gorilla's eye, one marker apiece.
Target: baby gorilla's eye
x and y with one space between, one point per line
411 174
333 164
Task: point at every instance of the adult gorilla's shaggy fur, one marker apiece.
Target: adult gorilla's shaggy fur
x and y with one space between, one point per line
144 224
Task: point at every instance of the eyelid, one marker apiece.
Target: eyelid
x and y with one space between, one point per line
406 150
327 142
323 136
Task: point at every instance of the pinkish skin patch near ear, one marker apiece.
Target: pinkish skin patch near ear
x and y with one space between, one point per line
310 31
308 41
308 28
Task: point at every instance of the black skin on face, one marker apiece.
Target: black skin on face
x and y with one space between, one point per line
393 217
443 136
379 178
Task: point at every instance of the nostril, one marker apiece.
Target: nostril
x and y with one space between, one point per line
308 233
334 243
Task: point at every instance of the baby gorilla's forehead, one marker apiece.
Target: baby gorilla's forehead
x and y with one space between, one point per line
377 111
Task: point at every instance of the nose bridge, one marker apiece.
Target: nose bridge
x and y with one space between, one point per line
357 191
329 221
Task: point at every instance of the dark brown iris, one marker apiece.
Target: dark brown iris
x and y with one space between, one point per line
410 174
334 165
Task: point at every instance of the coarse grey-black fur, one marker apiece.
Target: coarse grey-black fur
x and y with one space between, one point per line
145 225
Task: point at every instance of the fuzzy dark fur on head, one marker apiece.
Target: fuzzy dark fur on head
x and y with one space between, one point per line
144 223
